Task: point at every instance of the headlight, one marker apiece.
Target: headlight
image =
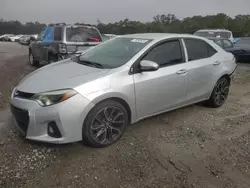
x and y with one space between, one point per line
53 97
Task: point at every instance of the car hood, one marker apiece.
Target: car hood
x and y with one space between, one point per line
60 75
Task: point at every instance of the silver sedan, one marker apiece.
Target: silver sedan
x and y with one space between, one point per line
94 96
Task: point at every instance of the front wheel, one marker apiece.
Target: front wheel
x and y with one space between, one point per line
32 60
105 124
220 93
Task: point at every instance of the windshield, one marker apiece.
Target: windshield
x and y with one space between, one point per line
82 34
222 34
115 52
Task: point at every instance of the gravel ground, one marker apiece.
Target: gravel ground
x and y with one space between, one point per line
193 147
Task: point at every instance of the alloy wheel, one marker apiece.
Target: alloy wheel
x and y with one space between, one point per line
108 125
221 92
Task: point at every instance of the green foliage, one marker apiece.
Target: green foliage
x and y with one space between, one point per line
240 25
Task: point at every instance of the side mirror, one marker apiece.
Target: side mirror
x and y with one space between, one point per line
148 66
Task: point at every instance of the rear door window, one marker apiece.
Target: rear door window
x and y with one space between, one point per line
82 34
198 49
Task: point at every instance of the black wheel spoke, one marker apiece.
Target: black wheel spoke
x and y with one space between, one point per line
100 132
106 114
97 127
115 129
110 134
222 98
111 114
104 137
117 116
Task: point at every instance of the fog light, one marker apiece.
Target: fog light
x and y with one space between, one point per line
53 130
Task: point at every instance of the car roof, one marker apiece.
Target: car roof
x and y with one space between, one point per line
213 30
220 38
159 36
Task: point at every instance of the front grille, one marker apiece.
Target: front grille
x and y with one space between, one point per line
24 95
21 116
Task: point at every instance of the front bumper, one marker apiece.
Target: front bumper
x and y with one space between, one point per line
32 120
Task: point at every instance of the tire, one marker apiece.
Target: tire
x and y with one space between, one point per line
106 126
219 94
32 60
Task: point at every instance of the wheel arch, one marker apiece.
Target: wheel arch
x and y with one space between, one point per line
227 76
122 100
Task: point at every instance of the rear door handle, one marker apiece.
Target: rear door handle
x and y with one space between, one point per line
217 63
182 71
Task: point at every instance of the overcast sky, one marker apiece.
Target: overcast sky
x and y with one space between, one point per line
88 11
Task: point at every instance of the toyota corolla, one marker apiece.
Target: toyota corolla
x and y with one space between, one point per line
94 96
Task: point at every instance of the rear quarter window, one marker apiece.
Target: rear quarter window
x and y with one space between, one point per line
198 49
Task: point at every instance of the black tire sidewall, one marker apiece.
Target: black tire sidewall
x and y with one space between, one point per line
86 135
35 62
31 54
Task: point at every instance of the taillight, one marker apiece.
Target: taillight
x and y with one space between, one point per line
62 48
95 39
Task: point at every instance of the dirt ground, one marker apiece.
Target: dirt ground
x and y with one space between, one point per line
193 147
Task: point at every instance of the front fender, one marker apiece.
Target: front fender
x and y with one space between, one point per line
104 96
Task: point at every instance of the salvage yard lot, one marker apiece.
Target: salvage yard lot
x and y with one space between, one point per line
191 147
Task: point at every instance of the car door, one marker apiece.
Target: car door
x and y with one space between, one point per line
37 46
165 88
46 42
202 67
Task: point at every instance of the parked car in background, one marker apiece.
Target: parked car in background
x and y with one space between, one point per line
108 36
6 37
240 51
94 96
16 38
60 41
219 33
243 40
13 38
24 40
1 37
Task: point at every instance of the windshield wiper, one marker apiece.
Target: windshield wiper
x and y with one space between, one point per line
92 63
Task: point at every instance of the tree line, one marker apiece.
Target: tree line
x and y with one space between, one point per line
239 25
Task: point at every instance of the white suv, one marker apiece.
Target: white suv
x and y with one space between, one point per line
220 33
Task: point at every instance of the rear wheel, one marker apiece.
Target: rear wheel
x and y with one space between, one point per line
32 60
220 93
105 124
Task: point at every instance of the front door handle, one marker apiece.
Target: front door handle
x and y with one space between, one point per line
182 71
217 63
